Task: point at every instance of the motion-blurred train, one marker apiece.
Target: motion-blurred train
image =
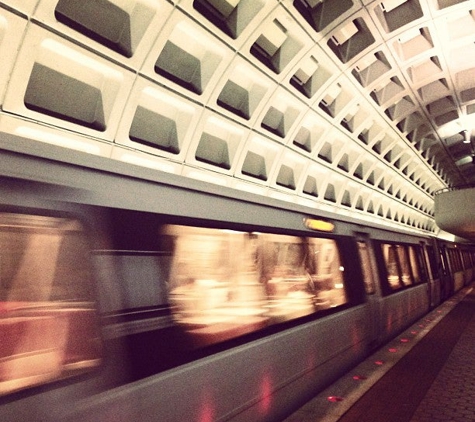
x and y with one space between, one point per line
124 297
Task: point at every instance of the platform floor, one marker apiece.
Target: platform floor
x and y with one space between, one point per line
426 374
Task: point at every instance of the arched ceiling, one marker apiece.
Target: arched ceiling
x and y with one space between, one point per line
362 107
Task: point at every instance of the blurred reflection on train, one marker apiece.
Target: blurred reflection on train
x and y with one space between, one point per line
226 283
47 317
118 309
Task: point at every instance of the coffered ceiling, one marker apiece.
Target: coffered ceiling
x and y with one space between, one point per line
355 106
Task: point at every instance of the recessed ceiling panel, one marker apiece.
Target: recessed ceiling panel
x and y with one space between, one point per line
323 101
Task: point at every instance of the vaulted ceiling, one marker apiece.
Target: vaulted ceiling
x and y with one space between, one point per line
355 106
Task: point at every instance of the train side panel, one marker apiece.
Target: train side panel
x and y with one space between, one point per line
262 375
263 380
401 309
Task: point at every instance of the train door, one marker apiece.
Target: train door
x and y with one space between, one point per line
446 284
369 270
468 265
420 269
432 275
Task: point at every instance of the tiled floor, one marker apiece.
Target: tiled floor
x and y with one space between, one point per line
425 374
452 394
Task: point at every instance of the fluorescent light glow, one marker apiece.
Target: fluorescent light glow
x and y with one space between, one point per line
465 160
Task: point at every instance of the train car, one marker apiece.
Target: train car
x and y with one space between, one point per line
455 266
432 261
403 281
468 264
125 297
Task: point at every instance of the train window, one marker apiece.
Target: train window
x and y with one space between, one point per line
405 266
326 273
224 283
444 260
467 260
398 266
48 327
450 255
363 251
423 263
454 259
416 264
464 260
455 262
451 261
392 266
458 259
432 261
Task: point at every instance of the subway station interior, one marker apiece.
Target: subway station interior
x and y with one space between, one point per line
237 210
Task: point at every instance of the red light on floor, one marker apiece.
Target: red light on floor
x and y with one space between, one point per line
335 399
392 350
207 413
359 377
404 340
266 392
414 332
379 362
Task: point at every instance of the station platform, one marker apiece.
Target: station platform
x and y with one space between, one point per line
426 374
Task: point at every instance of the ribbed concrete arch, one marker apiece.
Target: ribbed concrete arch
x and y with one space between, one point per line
284 96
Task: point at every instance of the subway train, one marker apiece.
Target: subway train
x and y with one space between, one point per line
125 296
